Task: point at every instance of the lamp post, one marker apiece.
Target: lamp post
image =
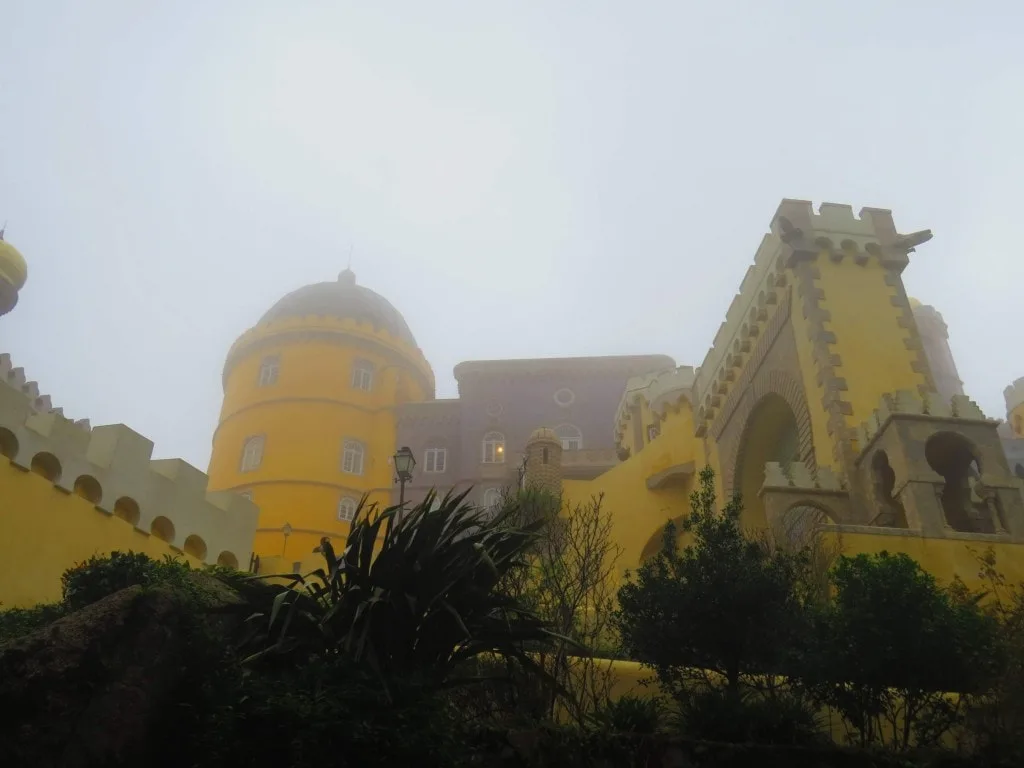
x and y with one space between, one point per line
405 463
286 529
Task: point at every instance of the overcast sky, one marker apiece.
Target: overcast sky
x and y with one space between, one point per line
520 179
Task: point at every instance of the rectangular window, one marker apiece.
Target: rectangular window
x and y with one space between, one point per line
297 567
652 432
571 443
352 458
246 495
435 459
268 371
347 509
252 453
362 375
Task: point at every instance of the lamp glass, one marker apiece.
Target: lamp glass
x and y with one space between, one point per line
405 462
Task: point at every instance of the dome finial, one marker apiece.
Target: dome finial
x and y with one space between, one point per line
347 276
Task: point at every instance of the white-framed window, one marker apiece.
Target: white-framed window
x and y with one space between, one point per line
252 453
269 368
352 457
435 460
347 509
494 448
247 494
362 375
492 498
652 432
571 437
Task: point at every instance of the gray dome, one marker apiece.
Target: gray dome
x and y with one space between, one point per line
342 299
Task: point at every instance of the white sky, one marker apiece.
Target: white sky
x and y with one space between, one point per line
170 169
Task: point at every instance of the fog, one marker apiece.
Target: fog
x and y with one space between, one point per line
520 179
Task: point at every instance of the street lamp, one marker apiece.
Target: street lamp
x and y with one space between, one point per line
405 463
286 529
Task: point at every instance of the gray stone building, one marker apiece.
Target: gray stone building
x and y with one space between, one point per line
478 439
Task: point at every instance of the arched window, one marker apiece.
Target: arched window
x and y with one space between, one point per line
571 437
252 453
347 509
352 457
362 375
435 460
269 368
494 448
492 498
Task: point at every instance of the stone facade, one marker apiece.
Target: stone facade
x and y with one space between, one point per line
512 398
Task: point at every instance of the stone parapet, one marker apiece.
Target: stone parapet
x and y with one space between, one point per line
907 402
111 466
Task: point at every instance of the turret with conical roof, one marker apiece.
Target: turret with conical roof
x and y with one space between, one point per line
307 426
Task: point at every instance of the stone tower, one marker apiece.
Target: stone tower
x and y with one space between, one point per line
1014 395
935 340
544 461
307 428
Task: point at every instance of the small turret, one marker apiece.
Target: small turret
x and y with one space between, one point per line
544 461
13 274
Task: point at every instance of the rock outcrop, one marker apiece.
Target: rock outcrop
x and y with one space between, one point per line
104 685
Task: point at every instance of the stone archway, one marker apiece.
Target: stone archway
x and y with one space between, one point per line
771 433
771 382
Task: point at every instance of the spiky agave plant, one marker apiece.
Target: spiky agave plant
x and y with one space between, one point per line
417 608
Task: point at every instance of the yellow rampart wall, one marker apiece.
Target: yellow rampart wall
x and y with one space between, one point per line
46 530
52 464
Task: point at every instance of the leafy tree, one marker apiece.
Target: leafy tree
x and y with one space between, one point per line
897 650
722 608
995 719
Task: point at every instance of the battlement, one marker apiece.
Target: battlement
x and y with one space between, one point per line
111 467
909 403
324 325
795 228
798 475
658 390
16 379
1014 395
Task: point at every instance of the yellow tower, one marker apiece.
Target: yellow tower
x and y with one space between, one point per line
1014 395
307 426
13 273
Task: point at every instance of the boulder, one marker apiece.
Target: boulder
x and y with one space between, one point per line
102 686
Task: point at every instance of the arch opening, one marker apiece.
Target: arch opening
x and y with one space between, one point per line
195 546
891 513
88 487
46 465
228 560
127 509
770 434
163 529
8 444
966 504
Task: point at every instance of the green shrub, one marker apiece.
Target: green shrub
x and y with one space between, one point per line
103 575
15 622
630 714
718 715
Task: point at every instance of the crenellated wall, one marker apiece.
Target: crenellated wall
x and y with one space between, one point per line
110 469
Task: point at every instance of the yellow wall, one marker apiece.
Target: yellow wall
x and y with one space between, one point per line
305 417
46 531
943 558
869 340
